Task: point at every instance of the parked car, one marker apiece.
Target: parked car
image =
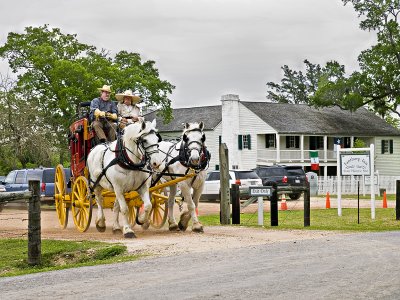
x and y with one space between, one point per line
18 180
244 178
47 183
290 180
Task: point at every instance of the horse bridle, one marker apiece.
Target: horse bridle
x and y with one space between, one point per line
142 141
187 144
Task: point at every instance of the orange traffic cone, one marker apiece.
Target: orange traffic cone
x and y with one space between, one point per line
283 202
384 204
328 201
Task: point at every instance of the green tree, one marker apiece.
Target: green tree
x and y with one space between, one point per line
377 83
25 139
55 72
297 87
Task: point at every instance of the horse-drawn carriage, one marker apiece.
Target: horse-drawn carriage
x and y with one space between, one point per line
139 170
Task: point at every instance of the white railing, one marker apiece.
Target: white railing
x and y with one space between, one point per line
350 185
292 155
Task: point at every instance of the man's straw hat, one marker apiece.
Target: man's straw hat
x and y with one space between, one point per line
128 93
105 88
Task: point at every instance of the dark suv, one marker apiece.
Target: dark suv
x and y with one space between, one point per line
290 180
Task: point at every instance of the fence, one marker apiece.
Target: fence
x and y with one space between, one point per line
350 184
34 228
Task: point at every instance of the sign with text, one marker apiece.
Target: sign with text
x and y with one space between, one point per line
355 164
256 191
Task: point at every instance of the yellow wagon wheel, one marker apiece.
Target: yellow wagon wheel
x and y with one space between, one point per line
81 204
60 189
159 210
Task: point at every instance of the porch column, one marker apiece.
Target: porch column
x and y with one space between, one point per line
352 142
302 148
278 148
325 148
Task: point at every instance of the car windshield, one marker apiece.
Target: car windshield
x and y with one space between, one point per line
246 175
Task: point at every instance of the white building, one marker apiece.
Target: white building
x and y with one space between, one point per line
263 133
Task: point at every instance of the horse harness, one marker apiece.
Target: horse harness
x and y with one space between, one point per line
122 158
183 158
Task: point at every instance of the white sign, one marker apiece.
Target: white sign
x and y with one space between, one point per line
355 164
260 191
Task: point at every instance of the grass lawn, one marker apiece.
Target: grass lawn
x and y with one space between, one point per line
322 219
58 255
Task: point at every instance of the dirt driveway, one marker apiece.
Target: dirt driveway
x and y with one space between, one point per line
160 242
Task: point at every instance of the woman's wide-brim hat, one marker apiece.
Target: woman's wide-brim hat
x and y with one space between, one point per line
105 88
128 93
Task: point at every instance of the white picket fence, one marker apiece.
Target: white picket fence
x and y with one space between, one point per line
350 185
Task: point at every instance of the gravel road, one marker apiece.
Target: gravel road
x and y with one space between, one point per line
351 266
224 263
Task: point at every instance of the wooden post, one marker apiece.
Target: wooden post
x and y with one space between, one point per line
235 200
397 199
34 228
224 184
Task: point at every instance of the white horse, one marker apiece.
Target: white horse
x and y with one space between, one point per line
118 167
190 152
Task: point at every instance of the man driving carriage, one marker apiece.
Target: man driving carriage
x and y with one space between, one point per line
103 115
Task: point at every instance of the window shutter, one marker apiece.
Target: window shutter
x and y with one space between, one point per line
266 140
249 141
382 146
287 142
217 167
297 141
219 139
391 146
240 141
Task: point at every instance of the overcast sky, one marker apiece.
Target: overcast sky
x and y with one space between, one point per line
206 48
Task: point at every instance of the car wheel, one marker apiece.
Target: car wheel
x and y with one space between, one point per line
294 196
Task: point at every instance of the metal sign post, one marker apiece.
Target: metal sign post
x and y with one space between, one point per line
260 192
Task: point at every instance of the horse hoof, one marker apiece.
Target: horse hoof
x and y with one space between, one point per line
129 235
198 229
146 225
117 231
181 226
100 229
173 227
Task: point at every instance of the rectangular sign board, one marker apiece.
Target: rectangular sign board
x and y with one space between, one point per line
355 164
256 191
